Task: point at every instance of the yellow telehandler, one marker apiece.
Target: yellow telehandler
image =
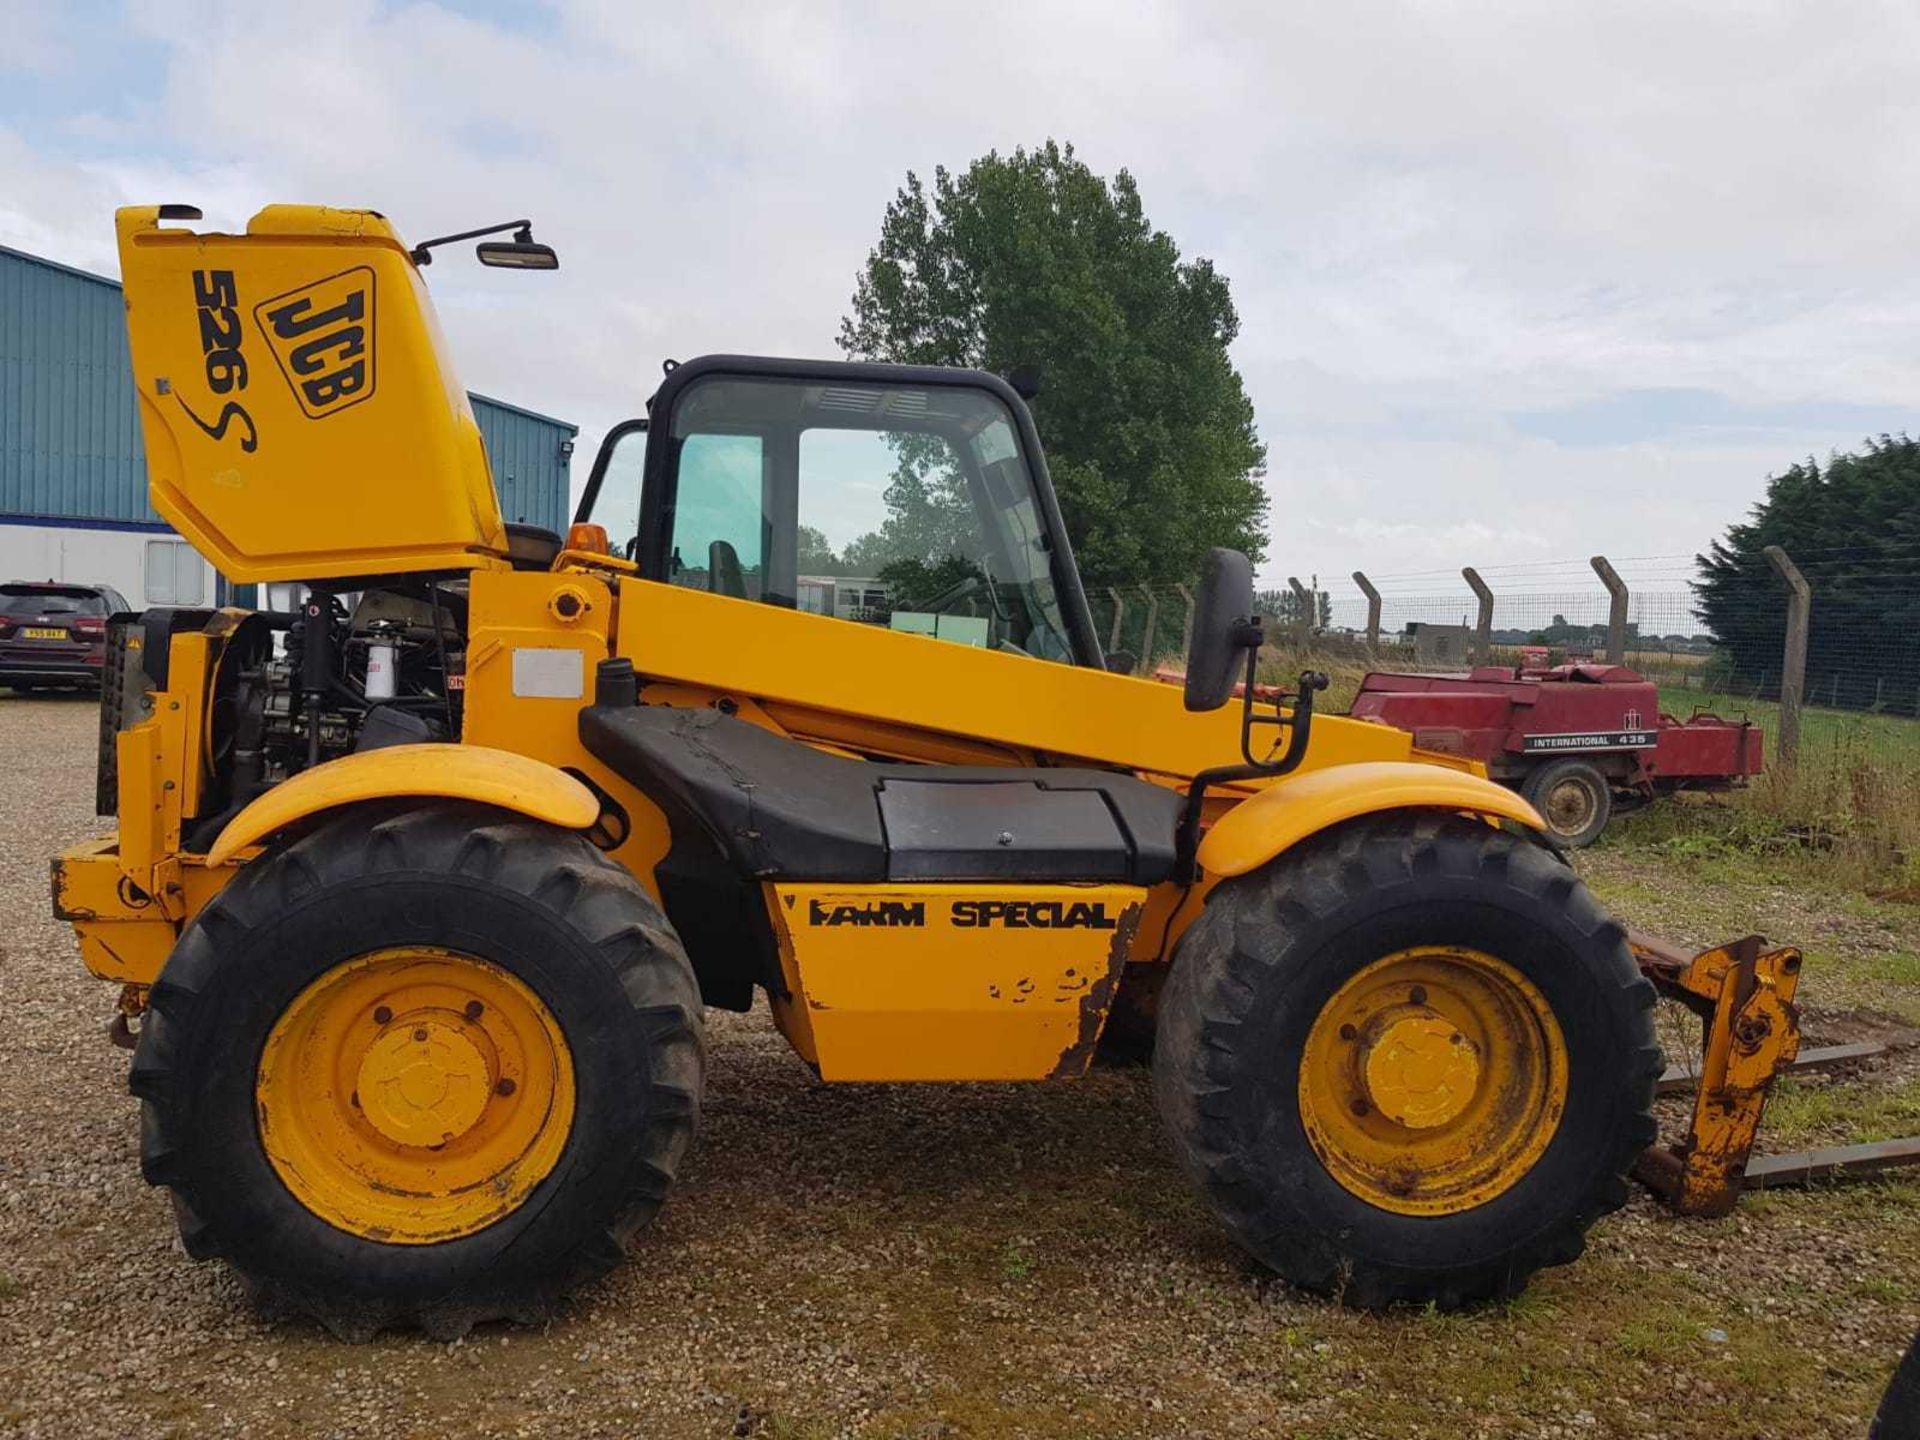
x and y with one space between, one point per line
422 880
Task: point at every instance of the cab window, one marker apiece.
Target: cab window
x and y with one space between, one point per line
906 507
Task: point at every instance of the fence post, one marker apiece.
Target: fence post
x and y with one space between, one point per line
1483 626
1616 613
1119 610
1186 626
1302 614
1144 666
1373 609
1793 668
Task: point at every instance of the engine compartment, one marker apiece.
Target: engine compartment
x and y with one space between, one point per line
345 672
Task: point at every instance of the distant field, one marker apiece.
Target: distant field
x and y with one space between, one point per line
1824 733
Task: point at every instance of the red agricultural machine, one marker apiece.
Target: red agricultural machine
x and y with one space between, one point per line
1574 739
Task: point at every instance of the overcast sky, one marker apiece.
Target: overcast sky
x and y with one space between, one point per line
1516 282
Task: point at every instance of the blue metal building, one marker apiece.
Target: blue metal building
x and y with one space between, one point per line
73 477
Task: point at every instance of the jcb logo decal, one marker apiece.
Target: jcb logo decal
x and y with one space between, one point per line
322 335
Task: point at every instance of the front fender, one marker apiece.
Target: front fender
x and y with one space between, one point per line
442 771
1288 811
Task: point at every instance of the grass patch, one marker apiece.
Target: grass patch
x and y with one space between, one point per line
1802 1112
1848 809
1658 1330
1883 1288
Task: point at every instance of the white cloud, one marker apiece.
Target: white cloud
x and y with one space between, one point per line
1435 216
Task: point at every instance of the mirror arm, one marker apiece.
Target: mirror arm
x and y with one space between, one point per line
523 234
1186 841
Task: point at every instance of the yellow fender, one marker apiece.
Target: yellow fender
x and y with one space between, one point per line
1288 811
454 772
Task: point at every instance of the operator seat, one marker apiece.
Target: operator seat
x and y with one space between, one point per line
724 575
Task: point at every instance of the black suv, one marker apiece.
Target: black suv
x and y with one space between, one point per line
54 635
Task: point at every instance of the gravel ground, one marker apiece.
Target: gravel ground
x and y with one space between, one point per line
923 1262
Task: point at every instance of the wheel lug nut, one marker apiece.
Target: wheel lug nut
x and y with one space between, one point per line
505 1087
475 1010
420 1034
381 1014
1419 995
1359 1107
1347 1032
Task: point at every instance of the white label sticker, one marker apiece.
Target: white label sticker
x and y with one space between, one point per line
549 674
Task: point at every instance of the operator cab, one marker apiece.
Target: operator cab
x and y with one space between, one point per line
909 497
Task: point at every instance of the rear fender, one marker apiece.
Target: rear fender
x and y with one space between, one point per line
499 778
1290 810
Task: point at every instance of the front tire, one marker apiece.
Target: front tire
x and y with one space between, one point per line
1411 1061
420 1068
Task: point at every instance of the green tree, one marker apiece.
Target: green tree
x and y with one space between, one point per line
929 516
916 584
816 555
1032 259
1853 528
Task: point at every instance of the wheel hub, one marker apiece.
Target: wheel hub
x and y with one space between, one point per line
1570 807
414 1095
1421 1072
423 1082
1432 1080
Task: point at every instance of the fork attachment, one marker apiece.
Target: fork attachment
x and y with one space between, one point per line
1743 994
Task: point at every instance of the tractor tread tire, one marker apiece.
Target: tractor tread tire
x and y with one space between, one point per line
480 850
1218 1021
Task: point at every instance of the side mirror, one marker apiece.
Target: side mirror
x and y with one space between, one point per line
1224 629
517 254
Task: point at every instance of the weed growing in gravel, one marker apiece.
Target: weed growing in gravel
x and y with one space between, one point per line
1801 1111
1848 813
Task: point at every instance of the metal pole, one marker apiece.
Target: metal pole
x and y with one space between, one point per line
1483 626
1119 610
1145 664
1302 614
1793 668
1616 613
1186 626
1373 609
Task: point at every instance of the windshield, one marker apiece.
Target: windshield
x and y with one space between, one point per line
911 507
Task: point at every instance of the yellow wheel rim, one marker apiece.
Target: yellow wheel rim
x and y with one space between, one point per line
1433 1080
414 1095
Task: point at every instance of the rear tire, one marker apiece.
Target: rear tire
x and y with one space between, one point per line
527 911
1574 798
1242 1014
1899 1417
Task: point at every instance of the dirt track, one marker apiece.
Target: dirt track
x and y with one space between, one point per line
966 1260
